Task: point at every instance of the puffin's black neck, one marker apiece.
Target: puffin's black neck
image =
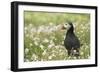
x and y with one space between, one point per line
71 29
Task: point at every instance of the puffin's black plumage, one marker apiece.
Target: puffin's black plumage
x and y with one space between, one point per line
71 41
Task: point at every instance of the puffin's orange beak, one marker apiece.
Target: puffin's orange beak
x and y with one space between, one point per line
63 27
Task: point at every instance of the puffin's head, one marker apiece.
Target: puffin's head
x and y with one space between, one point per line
68 26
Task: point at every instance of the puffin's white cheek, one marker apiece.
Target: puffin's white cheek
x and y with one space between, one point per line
65 26
68 26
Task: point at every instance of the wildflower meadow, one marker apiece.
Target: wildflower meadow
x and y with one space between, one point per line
44 40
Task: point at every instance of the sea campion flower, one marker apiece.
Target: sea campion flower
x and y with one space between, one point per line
46 41
36 43
34 57
26 50
50 23
53 55
50 57
27 60
27 35
81 53
41 46
51 45
30 25
51 42
25 28
44 52
57 46
36 39
31 44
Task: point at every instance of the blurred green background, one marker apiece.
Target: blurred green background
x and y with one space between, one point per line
43 41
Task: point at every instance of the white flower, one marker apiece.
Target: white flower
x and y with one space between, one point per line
25 28
81 31
51 45
61 53
26 50
30 25
50 57
27 35
51 42
46 41
57 46
31 44
34 57
53 55
41 46
40 29
60 50
74 51
26 60
44 53
33 30
64 37
75 57
36 39
36 43
50 23
81 53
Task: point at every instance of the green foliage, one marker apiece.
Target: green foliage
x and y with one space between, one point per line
43 42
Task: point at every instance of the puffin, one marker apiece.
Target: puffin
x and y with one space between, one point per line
71 41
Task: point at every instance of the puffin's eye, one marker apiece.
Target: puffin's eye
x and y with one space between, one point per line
68 26
65 25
